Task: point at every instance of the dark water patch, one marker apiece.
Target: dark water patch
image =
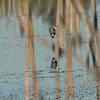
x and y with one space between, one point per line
44 77
57 72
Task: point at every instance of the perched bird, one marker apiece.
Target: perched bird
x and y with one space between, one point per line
52 31
54 64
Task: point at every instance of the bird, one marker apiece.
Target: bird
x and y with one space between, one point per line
52 31
54 64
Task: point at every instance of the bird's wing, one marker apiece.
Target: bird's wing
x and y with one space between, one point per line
54 29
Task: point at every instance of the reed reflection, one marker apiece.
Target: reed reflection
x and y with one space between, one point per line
93 4
97 77
57 51
17 5
75 24
92 46
9 9
69 85
90 31
30 51
96 34
3 6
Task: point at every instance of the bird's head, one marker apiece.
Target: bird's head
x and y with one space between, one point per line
53 59
55 27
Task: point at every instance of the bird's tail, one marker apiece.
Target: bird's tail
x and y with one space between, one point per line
57 67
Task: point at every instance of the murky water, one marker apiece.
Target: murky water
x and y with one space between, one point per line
27 50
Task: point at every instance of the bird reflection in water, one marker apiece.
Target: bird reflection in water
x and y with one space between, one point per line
52 31
41 96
